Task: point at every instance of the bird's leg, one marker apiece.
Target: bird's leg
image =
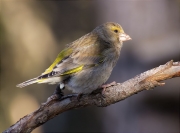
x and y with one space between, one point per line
59 89
57 95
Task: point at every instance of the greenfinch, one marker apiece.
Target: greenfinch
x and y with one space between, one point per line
85 64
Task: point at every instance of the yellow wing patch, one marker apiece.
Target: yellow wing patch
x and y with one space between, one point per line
61 55
41 80
74 70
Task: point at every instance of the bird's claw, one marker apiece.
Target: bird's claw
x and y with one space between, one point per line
109 85
79 96
106 86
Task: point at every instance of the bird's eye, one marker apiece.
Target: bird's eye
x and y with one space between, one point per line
116 31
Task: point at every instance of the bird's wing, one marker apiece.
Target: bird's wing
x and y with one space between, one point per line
75 58
70 65
61 56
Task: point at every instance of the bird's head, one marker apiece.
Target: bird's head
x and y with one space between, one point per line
112 32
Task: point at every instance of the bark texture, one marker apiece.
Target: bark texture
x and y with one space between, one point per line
56 104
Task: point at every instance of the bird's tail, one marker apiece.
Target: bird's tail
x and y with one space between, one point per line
26 83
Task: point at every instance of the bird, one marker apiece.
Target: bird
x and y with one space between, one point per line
87 63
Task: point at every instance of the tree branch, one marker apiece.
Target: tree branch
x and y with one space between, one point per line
104 97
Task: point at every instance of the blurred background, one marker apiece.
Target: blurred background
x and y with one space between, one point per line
32 33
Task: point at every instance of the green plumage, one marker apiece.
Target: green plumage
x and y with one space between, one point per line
61 56
86 63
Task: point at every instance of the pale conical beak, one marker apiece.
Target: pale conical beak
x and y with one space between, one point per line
124 37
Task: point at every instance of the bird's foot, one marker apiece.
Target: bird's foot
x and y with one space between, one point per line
106 86
75 95
109 85
58 91
79 96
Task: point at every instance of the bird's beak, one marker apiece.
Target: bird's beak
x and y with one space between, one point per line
124 37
